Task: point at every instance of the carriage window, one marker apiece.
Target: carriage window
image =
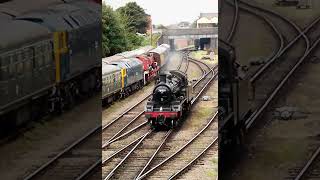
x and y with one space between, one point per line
27 66
38 57
23 55
3 68
12 70
12 65
19 68
3 73
47 54
6 60
19 63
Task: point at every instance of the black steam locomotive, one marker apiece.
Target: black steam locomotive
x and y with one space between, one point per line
170 101
234 104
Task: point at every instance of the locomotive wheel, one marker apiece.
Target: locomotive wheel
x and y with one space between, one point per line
154 125
173 124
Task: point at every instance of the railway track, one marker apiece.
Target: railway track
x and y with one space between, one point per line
287 30
129 139
57 166
88 162
73 160
311 170
277 71
272 26
133 117
293 55
285 71
132 163
228 37
294 47
234 21
168 168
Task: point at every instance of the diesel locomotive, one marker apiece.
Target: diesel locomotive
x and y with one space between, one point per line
127 72
49 59
170 101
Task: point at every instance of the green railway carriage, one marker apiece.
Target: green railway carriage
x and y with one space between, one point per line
48 60
28 70
111 86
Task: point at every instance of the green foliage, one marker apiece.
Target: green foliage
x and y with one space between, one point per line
155 38
161 26
120 27
136 17
113 33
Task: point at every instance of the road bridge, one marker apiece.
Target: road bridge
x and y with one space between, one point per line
206 35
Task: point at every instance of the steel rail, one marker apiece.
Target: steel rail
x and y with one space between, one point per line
288 21
99 162
125 112
78 142
175 175
127 133
206 74
308 164
279 35
122 129
61 153
126 157
234 22
88 171
185 57
156 152
179 150
258 112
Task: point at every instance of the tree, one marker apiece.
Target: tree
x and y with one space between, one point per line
113 33
136 17
160 26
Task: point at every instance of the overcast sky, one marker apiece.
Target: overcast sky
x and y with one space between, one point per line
171 11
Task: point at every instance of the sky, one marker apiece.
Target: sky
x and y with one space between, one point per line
168 12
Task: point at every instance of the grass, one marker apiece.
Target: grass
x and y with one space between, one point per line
214 172
198 54
202 114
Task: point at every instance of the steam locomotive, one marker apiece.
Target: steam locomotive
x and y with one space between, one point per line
170 101
234 104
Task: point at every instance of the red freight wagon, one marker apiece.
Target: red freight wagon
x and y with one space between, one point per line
150 67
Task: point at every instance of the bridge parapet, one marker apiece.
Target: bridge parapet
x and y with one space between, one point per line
190 31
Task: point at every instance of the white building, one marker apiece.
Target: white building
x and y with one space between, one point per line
207 20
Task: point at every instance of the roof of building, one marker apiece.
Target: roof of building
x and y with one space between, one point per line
205 20
208 18
209 15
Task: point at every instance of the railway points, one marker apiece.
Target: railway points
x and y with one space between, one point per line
291 63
